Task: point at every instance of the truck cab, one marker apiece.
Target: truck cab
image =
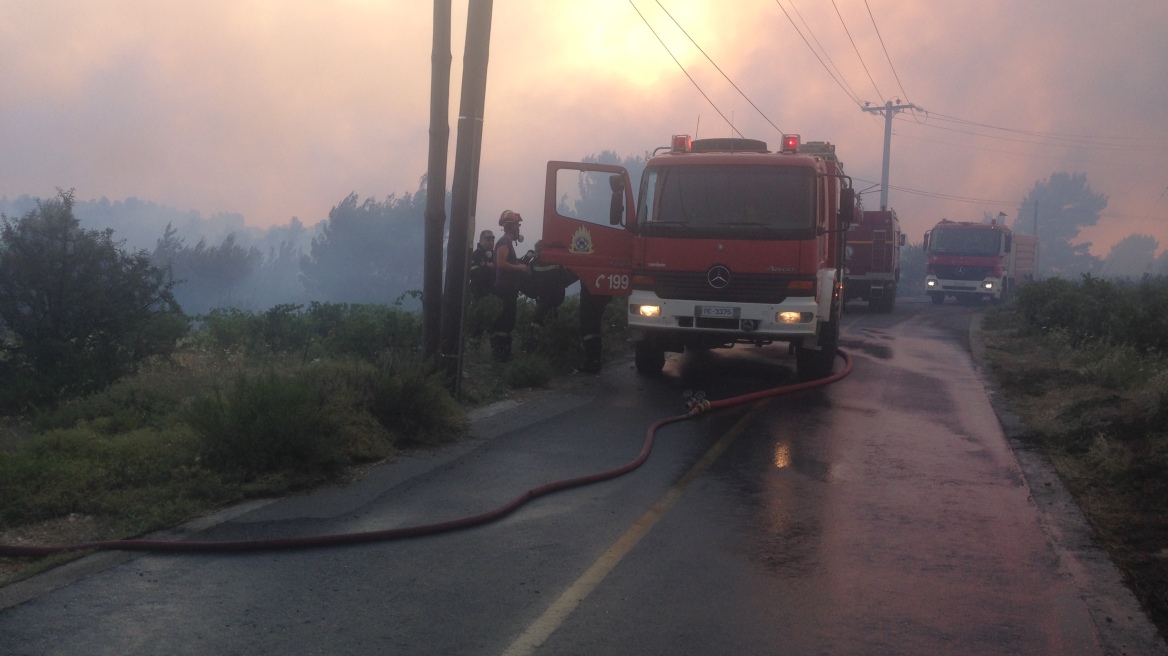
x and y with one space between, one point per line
726 243
969 261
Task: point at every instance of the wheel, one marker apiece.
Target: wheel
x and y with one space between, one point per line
1004 295
649 357
890 295
887 300
813 364
938 297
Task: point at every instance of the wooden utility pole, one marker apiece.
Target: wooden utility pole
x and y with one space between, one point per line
464 191
435 218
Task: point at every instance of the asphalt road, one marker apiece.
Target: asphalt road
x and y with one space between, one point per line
885 514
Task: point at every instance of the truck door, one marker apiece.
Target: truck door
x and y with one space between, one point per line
587 212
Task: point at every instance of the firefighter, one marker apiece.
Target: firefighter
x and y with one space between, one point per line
591 317
482 266
509 273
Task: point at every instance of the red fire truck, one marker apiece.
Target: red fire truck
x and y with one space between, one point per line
974 261
872 269
728 243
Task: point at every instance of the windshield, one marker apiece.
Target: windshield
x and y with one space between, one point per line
965 242
738 200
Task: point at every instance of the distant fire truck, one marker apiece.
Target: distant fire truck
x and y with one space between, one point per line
974 261
872 269
728 243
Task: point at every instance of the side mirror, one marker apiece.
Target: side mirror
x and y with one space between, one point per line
847 206
901 239
616 206
1009 242
925 242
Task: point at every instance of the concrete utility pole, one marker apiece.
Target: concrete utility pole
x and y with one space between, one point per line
465 187
888 109
435 219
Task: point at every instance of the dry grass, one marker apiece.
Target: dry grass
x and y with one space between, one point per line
1098 413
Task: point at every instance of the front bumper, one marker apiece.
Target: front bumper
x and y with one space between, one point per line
990 287
794 318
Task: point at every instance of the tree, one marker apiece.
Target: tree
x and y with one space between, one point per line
594 192
80 310
912 270
1132 257
367 252
1065 204
207 277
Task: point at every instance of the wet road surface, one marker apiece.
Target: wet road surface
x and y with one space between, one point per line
885 514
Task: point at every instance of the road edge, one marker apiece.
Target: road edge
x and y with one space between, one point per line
1121 623
486 423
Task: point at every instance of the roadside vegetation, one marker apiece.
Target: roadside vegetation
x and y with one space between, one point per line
255 405
1083 364
120 414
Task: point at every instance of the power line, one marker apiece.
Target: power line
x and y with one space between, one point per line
1004 203
846 90
1104 140
886 55
1053 158
807 25
692 81
858 55
1086 143
708 58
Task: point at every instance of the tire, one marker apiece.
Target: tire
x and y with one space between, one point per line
890 294
649 358
818 363
887 300
938 297
1004 295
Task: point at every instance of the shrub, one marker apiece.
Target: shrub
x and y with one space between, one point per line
263 424
414 404
528 371
1097 311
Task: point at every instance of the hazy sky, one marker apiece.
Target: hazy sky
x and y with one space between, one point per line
280 108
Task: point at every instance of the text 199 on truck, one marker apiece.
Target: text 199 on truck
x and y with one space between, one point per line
974 261
727 243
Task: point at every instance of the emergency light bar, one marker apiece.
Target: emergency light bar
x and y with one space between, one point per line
790 143
681 143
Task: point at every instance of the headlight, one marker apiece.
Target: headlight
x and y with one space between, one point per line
794 317
931 283
650 311
989 285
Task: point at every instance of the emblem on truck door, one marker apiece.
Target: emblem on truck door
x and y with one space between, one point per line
581 242
718 276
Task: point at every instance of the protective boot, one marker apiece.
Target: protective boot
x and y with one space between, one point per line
592 347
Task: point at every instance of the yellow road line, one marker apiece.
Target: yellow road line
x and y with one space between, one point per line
554 616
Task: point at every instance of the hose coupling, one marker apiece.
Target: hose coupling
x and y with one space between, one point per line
697 406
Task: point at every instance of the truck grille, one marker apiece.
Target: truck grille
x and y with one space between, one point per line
743 287
954 272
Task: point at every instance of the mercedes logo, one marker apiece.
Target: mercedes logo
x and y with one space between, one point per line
718 276
961 271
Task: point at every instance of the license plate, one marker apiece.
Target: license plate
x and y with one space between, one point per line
717 312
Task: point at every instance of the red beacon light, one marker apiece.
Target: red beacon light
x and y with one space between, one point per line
681 143
790 143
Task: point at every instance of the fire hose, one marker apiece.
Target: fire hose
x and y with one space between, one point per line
695 407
